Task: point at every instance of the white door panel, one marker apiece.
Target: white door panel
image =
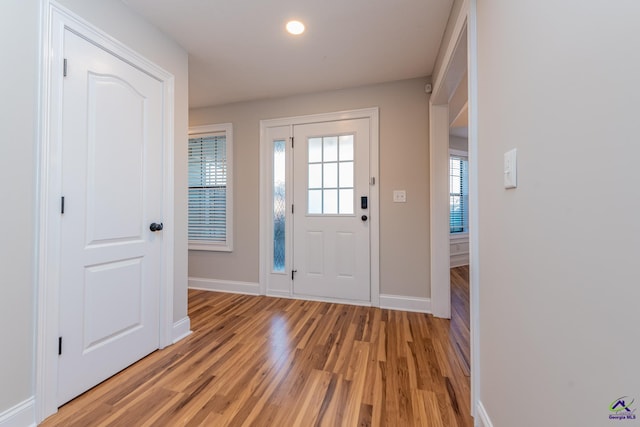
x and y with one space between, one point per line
331 228
114 214
112 184
107 286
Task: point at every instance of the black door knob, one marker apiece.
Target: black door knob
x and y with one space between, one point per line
364 217
156 227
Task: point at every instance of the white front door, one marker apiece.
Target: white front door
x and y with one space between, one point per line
331 252
110 270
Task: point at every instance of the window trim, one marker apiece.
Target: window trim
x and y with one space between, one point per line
227 129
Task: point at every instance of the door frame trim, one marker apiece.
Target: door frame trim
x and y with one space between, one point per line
55 19
464 31
374 191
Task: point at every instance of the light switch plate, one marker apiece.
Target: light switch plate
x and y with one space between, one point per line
399 196
510 169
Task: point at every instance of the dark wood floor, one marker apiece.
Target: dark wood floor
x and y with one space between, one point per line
460 315
261 361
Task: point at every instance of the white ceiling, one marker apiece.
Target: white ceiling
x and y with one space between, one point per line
239 50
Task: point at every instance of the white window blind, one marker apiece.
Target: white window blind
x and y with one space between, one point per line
458 194
209 191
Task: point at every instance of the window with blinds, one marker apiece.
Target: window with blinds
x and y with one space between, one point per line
210 179
458 194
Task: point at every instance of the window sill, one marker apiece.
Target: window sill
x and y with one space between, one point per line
211 247
459 236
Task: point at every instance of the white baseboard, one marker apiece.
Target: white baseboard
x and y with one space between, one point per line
181 329
404 303
278 294
482 418
321 299
393 302
21 415
248 288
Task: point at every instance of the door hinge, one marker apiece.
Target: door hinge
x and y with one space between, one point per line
291 209
62 204
291 141
64 67
293 272
372 180
59 346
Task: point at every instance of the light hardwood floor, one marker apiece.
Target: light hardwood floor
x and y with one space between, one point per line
261 361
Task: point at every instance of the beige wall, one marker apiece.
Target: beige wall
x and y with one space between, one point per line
458 115
18 117
19 110
458 143
404 234
558 259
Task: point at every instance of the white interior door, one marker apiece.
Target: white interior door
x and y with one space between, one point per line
110 271
331 255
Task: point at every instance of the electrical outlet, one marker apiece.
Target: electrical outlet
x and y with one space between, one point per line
399 196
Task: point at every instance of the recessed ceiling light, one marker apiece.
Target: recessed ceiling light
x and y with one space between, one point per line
295 27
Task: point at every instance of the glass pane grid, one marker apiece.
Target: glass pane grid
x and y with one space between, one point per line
330 188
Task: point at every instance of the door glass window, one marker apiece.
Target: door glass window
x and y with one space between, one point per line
330 175
279 206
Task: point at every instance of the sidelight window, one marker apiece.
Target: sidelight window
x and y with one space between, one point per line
279 205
